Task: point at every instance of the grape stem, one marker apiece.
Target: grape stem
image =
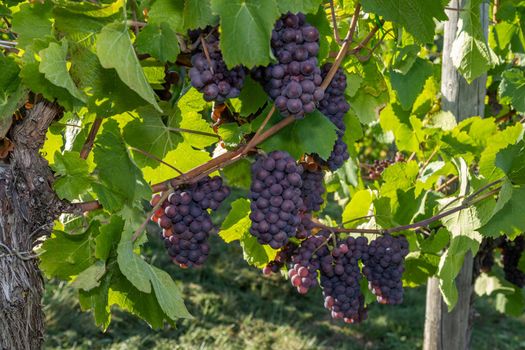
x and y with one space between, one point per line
88 144
334 23
156 207
417 225
196 132
206 53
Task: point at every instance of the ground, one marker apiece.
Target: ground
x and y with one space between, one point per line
236 307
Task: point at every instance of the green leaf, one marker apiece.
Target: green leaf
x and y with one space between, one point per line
510 219
90 277
33 21
408 86
511 304
237 222
114 49
91 9
254 253
74 179
150 134
251 99
512 161
321 137
97 300
54 67
246 23
11 92
436 242
64 255
294 6
168 11
488 284
512 89
132 265
394 118
107 94
109 237
358 207
168 294
160 41
417 16
197 14
470 53
115 168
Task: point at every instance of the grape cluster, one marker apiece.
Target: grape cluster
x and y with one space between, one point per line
304 230
294 82
375 170
212 77
383 267
340 276
512 251
283 257
306 262
186 222
275 196
313 189
170 78
334 106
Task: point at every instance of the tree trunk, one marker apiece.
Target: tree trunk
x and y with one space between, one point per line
444 330
28 207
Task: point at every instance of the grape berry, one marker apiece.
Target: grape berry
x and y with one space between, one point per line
512 252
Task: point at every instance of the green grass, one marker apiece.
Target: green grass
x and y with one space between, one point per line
235 307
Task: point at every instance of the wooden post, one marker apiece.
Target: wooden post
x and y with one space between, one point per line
444 330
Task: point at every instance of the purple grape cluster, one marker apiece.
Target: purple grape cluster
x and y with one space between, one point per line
294 82
383 267
275 198
375 170
340 278
512 251
186 222
313 189
306 262
334 106
212 77
304 230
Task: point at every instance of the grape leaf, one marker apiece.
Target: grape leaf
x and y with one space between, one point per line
115 168
417 16
470 53
321 137
168 11
64 255
489 284
251 99
237 221
91 9
160 41
511 304
132 265
512 89
358 207
246 23
90 277
74 177
11 92
509 219
77 28
107 94
107 241
254 253
150 134
96 299
294 6
408 86
33 21
197 14
512 161
114 49
53 65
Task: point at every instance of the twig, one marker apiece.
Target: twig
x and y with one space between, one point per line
11 43
449 181
259 131
134 15
149 155
156 207
412 156
88 145
334 23
366 40
427 161
136 24
196 132
206 53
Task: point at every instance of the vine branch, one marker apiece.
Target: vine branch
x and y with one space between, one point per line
88 145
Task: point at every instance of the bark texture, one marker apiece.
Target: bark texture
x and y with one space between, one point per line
28 207
444 330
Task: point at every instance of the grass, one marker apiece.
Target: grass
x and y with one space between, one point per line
235 307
